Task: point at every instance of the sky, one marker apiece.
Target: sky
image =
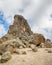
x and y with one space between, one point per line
37 12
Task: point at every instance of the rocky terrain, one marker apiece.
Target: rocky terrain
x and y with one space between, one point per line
21 43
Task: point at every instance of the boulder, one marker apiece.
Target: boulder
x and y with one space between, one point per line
11 49
3 48
39 38
5 57
34 48
42 45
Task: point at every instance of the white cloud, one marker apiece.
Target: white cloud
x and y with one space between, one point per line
2 30
40 31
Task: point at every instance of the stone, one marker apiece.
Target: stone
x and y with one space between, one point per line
11 49
3 48
34 48
3 39
42 45
5 57
20 42
19 51
25 43
20 47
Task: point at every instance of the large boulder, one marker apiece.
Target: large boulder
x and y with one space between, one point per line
39 38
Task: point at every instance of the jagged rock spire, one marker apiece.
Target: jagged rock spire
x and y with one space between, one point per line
20 25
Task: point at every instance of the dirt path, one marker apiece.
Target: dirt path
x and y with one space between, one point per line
31 58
